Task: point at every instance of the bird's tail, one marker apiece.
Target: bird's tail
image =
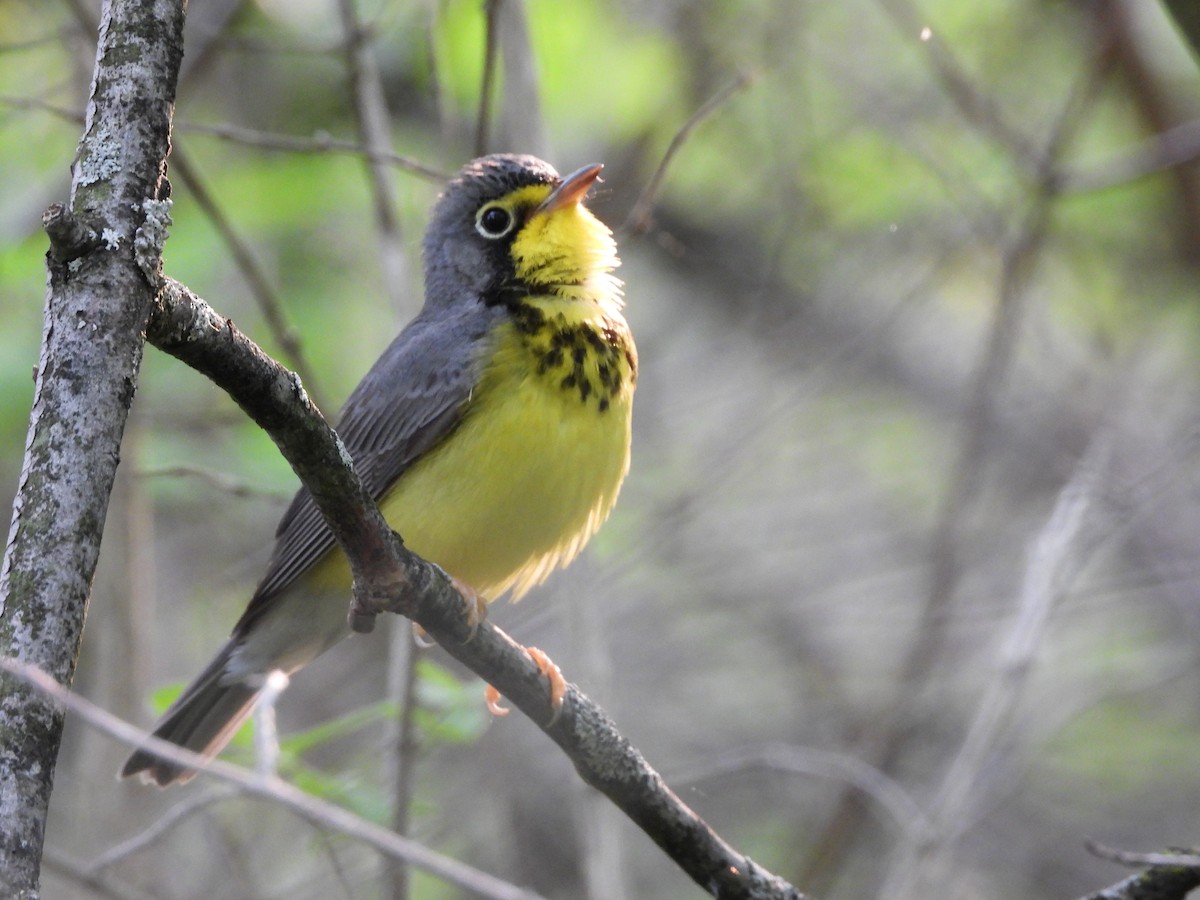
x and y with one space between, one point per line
203 719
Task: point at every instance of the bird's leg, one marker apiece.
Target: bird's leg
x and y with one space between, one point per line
558 685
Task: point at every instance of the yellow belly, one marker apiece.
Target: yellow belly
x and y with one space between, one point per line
518 488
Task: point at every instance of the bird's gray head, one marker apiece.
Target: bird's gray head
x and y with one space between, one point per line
467 243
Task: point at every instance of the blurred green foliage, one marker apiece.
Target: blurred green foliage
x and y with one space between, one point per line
812 302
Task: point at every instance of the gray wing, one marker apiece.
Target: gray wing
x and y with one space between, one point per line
414 395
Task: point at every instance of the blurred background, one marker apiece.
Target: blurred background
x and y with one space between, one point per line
903 591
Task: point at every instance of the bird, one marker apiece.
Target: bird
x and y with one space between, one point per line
494 433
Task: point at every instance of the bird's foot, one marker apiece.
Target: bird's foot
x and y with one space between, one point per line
558 685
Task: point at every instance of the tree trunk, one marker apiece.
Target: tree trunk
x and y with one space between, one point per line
103 264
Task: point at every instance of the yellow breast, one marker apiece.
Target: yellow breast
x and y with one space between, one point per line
535 466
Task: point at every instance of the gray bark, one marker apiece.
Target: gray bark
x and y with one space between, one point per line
102 269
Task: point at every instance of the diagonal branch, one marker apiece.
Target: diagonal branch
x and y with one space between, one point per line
1061 548
1168 876
888 736
388 578
638 221
267 787
264 293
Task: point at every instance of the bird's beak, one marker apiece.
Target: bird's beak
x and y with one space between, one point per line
572 189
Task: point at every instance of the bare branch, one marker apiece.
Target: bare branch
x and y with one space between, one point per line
638 220
491 8
401 738
218 480
1174 147
99 884
271 788
1187 17
388 578
318 143
1170 876
521 122
1132 859
187 328
33 103
256 279
1062 546
160 827
374 131
888 735
977 107
891 796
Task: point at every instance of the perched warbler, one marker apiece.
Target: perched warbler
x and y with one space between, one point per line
494 432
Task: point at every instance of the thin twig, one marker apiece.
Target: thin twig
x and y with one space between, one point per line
1169 876
264 294
1178 146
522 126
491 45
602 858
978 107
889 794
374 131
638 220
329 845
318 143
224 483
437 94
159 828
270 788
375 134
33 103
55 37
1062 547
135 615
888 735
401 739
1134 859
98 884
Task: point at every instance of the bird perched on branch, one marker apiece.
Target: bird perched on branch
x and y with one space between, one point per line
493 432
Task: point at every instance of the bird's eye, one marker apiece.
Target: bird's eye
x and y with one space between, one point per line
494 222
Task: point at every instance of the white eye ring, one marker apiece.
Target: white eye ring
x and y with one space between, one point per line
494 222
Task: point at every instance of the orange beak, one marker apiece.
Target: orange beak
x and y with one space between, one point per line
572 189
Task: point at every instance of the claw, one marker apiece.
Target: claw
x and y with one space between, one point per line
558 686
476 606
492 698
